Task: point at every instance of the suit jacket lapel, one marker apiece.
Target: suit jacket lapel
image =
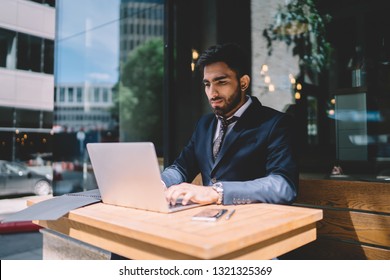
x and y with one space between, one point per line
230 138
210 141
233 135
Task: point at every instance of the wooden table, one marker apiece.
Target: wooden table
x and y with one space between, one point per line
255 231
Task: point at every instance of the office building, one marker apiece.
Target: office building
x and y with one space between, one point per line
27 33
83 107
141 20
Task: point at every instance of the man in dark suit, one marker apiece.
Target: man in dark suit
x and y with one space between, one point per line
254 162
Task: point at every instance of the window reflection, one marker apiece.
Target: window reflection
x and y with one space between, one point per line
26 52
109 82
7 48
26 85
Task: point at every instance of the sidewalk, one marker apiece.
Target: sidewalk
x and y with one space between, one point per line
21 246
22 240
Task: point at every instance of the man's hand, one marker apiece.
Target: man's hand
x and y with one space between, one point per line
190 192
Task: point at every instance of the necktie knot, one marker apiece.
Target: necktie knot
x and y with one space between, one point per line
226 122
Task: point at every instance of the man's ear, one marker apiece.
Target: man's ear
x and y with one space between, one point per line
244 82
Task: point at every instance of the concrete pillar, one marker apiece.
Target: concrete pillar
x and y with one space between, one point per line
57 246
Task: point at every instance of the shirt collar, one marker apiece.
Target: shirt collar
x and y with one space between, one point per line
243 108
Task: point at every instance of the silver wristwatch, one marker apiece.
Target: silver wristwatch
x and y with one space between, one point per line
218 187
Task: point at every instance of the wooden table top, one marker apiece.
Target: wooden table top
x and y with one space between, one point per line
254 231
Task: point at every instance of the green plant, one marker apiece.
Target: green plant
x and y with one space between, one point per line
299 23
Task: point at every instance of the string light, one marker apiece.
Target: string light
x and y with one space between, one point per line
264 69
195 56
271 87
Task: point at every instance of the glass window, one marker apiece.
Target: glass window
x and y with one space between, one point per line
7 117
7 48
48 59
96 95
105 95
7 147
47 119
62 95
51 3
70 95
79 91
79 96
128 109
27 118
29 52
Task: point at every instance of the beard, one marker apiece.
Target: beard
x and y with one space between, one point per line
230 103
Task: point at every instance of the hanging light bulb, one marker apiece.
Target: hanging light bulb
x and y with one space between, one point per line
299 86
292 79
195 54
271 87
297 95
267 79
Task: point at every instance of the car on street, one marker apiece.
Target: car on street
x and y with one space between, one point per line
17 178
71 177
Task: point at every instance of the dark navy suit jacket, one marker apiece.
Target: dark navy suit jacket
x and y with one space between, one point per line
257 161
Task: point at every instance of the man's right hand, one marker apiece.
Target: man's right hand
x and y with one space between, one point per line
190 192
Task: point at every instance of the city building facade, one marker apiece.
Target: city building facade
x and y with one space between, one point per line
27 35
83 107
141 20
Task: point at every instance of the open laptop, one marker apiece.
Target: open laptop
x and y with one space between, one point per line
128 175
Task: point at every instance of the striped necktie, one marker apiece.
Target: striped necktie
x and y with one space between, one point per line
222 131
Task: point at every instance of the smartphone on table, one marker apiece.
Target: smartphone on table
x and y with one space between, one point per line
210 215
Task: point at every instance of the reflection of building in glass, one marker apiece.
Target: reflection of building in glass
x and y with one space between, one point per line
141 20
27 32
83 106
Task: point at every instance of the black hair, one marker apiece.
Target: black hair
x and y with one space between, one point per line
230 53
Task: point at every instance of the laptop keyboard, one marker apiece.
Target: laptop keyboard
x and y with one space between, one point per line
96 194
178 204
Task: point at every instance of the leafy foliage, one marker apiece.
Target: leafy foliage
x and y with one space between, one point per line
140 93
299 24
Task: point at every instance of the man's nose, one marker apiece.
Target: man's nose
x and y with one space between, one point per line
213 90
